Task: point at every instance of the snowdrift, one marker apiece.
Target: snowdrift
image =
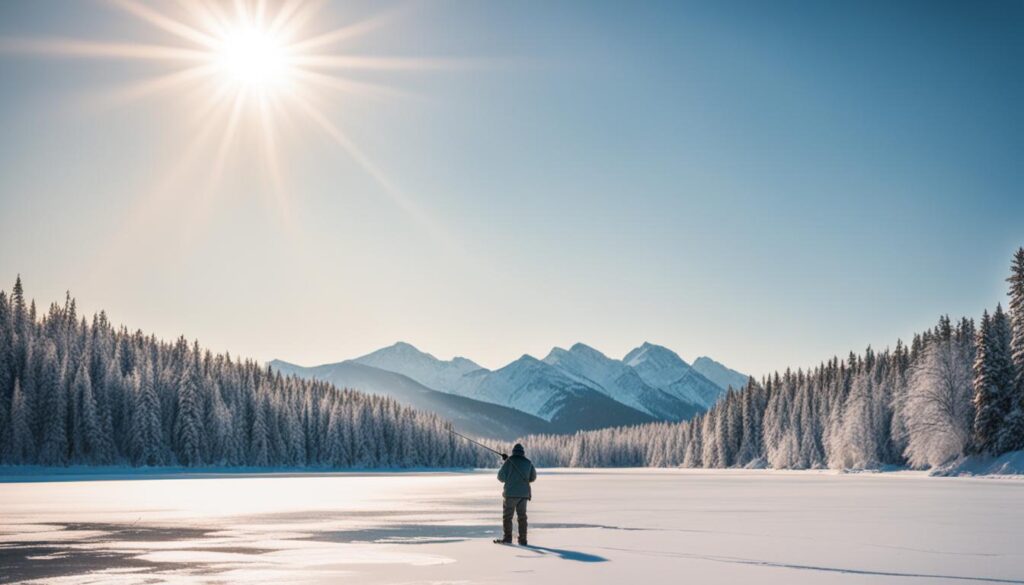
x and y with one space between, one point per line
1006 465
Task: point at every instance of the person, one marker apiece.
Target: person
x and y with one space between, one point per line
517 473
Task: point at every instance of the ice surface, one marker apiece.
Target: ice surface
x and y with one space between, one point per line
589 526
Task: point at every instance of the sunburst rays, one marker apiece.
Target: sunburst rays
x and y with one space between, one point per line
222 53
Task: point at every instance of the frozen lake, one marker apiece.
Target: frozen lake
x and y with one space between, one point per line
592 526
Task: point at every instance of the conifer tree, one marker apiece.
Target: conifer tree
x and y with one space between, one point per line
53 449
188 430
86 437
21 433
988 418
339 454
259 445
146 436
86 393
1012 437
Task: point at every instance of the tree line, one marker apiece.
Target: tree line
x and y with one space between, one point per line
74 392
958 389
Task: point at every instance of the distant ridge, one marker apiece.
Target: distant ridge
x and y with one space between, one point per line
471 416
569 390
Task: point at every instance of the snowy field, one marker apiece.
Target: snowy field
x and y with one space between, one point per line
593 526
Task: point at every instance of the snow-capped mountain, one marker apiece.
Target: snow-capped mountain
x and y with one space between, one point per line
619 382
664 369
569 390
482 419
426 369
543 390
719 374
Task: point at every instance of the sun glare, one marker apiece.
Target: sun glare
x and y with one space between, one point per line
253 58
250 61
246 77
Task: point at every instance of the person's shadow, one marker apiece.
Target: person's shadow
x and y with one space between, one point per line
569 555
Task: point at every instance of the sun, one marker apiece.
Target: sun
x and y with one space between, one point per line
253 62
248 78
254 58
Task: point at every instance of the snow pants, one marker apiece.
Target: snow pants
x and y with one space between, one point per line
515 506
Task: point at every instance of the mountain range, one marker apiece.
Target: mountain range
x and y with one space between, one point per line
569 390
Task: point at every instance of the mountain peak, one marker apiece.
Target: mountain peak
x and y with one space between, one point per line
721 375
403 346
652 351
404 358
582 348
706 359
408 350
281 365
663 368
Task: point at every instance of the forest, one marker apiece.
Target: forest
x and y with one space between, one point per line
80 392
958 389
74 392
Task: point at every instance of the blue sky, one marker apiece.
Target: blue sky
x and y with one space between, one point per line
767 185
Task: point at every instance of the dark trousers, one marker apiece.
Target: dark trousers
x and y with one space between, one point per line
514 506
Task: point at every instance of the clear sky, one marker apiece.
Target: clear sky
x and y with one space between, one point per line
764 183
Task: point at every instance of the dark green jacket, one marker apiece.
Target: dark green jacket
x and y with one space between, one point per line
517 473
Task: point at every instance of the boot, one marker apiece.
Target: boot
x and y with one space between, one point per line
505 540
522 541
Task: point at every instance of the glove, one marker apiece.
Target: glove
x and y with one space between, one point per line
504 456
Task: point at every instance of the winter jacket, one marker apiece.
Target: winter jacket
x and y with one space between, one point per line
517 473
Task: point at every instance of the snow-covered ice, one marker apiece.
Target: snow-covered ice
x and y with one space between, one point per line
588 526
1009 465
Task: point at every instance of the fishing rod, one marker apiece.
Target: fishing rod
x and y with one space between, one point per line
504 457
499 453
458 434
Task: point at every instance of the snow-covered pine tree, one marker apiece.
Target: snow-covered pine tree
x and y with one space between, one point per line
53 449
709 447
990 396
259 439
221 426
749 448
579 452
21 327
188 420
87 443
694 447
896 432
145 445
362 436
6 342
1012 436
77 392
22 444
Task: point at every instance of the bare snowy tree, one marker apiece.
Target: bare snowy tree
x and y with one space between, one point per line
939 412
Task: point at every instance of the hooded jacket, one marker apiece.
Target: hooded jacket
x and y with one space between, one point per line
517 473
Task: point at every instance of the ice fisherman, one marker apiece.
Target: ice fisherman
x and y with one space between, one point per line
517 473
